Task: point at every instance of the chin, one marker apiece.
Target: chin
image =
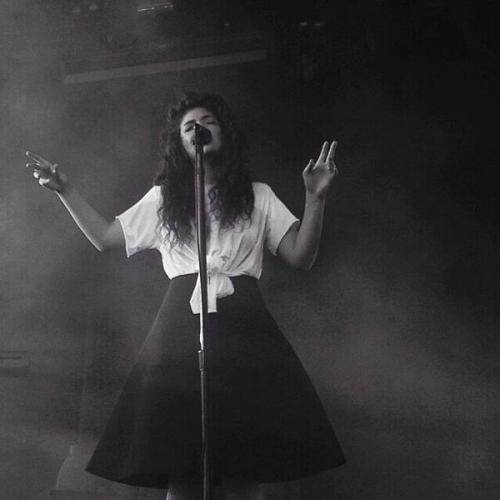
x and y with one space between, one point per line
212 148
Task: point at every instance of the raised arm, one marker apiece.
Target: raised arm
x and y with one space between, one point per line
102 233
299 247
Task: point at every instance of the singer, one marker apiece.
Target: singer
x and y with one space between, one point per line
267 423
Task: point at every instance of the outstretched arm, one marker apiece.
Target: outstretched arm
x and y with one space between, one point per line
102 233
299 247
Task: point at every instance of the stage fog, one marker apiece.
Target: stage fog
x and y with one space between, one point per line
396 323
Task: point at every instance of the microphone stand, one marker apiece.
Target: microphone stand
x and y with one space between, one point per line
200 140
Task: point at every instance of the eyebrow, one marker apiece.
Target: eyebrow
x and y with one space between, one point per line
189 122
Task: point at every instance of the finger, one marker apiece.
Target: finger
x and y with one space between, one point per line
309 166
32 164
34 157
323 153
36 174
331 152
36 166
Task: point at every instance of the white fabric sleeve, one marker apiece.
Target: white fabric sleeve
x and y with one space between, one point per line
141 223
278 220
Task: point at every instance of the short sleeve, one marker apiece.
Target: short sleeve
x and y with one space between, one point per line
278 220
141 223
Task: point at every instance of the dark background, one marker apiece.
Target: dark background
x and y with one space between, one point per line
397 323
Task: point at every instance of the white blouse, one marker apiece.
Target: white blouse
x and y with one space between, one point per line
232 251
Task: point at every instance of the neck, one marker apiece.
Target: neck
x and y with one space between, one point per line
209 173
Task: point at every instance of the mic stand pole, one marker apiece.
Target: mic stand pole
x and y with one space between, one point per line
202 265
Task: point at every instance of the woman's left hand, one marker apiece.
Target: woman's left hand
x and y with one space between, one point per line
318 175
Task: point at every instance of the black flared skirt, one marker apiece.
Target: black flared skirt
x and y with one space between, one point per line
266 422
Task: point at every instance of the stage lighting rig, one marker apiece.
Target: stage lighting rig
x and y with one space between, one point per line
114 38
154 7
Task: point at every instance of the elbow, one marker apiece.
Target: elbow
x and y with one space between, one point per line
304 259
101 245
106 239
305 266
302 264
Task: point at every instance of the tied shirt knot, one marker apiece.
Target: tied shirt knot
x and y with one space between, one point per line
219 284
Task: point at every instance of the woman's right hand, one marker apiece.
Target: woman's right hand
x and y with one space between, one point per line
48 174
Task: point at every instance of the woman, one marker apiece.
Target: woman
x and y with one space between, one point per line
267 423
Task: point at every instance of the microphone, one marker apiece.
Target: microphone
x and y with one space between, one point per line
202 135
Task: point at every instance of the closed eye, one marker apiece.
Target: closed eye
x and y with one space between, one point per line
207 120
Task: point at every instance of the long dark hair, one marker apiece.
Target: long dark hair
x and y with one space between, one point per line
232 197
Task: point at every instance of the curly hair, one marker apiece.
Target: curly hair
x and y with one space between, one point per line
231 198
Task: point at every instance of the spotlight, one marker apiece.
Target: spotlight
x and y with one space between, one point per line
154 6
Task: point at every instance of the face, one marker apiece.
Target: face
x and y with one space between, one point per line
206 119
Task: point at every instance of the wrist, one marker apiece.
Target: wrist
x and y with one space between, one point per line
63 189
315 197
